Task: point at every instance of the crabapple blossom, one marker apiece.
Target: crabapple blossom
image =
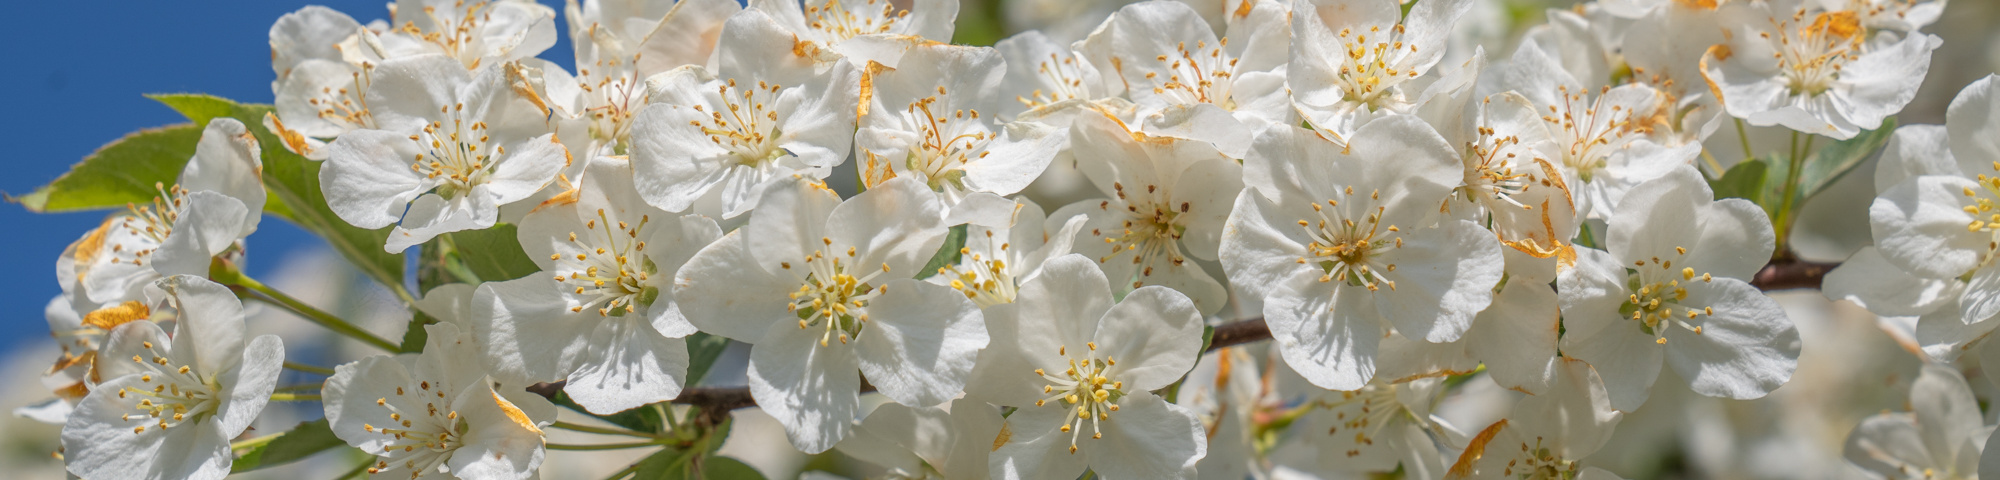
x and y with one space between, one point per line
1671 288
217 200
1814 71
1353 61
1071 359
452 148
1169 198
922 121
861 31
1189 83
169 405
602 312
820 287
761 116
1339 243
1941 437
436 414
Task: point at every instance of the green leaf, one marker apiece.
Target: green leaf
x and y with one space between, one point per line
947 255
725 468
293 183
1830 163
414 334
127 170
703 349
493 254
300 442
669 463
1207 337
642 419
1745 181
199 107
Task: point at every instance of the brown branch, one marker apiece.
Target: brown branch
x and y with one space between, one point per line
1238 333
1791 273
1782 274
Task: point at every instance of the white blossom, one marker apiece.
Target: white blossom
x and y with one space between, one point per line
169 405
761 116
452 149
602 313
1672 288
1082 369
820 287
1339 244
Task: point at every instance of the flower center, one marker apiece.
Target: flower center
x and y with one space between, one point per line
1376 406
949 141
459 29
614 273
1492 168
837 22
1658 293
986 281
1370 75
1589 132
1347 250
831 296
423 437
1811 56
146 227
1201 75
1064 79
455 160
1086 388
1151 230
613 97
750 128
177 394
1539 462
346 106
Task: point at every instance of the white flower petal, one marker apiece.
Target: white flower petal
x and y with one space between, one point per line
1154 333
1746 349
1322 333
920 343
813 391
1920 226
633 365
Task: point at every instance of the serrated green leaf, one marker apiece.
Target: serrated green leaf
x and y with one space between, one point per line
1830 163
947 255
703 349
293 182
493 254
726 468
1745 181
127 170
302 441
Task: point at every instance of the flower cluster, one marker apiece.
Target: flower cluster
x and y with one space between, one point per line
1395 208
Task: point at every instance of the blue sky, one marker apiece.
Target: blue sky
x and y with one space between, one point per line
74 81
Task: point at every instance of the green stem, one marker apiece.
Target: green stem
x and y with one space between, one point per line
359 469
294 397
604 446
629 469
254 442
1786 204
328 320
308 368
310 387
1745 138
1713 164
599 430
